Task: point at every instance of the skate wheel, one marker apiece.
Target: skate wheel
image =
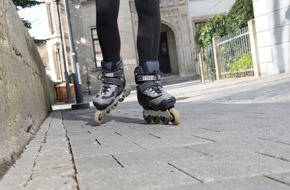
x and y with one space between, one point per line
108 112
156 119
165 120
148 119
175 116
115 105
98 117
121 99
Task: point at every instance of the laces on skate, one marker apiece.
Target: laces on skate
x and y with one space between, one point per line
106 88
113 88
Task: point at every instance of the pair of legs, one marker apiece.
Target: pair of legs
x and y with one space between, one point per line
148 29
147 75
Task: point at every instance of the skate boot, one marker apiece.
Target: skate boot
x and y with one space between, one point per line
112 91
158 104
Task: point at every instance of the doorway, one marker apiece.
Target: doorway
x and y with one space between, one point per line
164 59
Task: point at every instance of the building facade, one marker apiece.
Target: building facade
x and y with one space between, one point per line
272 20
57 42
176 46
176 54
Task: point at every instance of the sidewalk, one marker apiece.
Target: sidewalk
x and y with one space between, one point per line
233 135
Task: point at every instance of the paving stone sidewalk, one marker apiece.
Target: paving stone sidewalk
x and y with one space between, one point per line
234 134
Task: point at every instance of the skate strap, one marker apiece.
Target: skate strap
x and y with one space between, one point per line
113 74
148 84
145 78
116 81
112 77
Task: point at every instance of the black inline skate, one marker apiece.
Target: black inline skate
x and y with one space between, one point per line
158 104
113 89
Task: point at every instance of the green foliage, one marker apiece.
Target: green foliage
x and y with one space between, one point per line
221 25
241 63
39 42
213 27
239 15
25 3
26 23
28 4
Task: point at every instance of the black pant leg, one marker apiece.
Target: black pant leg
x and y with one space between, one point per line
148 36
107 28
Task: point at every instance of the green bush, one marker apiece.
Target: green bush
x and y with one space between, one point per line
239 15
223 24
213 27
241 63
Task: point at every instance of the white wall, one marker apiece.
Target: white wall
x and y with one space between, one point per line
200 10
272 19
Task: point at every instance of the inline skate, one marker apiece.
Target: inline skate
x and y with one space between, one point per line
112 91
157 103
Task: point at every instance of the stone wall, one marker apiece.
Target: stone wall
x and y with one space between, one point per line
272 20
26 93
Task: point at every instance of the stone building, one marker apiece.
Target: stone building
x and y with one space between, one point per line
176 56
57 41
176 46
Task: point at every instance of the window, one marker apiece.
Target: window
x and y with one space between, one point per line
57 62
50 23
98 57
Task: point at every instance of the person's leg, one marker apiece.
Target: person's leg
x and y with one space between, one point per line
147 75
107 28
113 79
148 36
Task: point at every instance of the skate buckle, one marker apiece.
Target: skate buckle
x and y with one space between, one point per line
109 74
148 77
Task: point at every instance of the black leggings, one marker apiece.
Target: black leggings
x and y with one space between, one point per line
148 29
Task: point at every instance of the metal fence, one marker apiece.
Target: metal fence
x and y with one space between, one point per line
207 65
235 55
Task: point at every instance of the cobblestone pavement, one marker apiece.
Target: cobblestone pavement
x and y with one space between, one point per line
234 134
